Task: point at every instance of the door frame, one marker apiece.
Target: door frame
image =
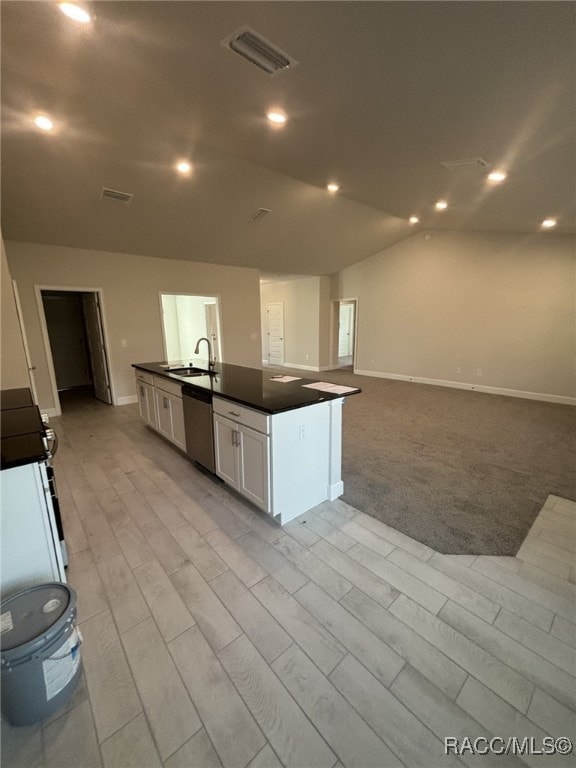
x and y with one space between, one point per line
335 327
57 410
199 296
31 368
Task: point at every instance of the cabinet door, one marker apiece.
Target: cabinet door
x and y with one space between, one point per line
254 467
164 414
225 448
177 412
142 401
151 416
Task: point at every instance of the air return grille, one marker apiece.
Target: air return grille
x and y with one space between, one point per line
471 164
260 213
115 196
259 51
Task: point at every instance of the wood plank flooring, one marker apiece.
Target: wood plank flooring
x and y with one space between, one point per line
213 637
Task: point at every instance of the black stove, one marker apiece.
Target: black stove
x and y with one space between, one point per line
23 435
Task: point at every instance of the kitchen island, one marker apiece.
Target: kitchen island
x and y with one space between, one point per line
277 439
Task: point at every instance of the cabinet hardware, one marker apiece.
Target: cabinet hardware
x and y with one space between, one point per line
165 399
233 413
142 391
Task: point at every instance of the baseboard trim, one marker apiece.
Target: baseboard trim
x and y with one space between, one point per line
335 490
128 400
315 368
302 367
561 399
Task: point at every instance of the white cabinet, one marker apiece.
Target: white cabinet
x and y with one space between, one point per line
285 463
226 457
164 413
177 411
160 403
170 411
146 399
243 459
170 416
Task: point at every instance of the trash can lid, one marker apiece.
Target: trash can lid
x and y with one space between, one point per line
31 613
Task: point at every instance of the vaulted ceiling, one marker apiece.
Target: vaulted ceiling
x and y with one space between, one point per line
383 93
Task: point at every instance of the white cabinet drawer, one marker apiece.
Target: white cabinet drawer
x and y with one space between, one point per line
172 387
148 378
248 416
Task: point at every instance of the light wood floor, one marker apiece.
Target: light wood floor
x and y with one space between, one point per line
214 637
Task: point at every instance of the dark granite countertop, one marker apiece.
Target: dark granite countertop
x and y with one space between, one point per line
253 387
21 430
15 398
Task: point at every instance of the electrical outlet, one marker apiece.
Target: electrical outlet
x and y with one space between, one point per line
479 372
458 370
307 357
301 432
124 342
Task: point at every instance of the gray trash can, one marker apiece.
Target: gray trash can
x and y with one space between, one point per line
40 651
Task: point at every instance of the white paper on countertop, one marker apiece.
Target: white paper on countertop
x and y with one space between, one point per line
285 379
334 389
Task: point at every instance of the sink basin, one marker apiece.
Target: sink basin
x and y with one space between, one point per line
189 371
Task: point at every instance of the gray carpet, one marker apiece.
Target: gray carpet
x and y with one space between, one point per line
464 472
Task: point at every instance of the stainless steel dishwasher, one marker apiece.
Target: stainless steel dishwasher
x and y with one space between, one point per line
198 426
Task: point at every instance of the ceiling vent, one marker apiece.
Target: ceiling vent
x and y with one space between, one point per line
115 196
260 214
473 164
259 51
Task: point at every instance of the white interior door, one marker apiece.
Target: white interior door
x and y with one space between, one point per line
275 314
346 331
96 346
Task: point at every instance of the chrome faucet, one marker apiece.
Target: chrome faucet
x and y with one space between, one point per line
211 360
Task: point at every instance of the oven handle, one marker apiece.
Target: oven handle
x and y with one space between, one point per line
52 439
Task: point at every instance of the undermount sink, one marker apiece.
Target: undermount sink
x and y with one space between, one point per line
190 371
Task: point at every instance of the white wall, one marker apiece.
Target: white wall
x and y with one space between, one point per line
443 301
130 287
13 370
191 324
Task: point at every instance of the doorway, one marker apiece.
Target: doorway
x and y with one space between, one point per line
274 354
187 318
346 333
75 345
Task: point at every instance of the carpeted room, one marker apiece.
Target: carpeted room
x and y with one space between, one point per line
463 472
466 466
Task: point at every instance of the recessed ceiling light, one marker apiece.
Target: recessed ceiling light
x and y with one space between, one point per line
276 117
75 12
414 219
332 187
441 205
183 167
497 177
549 223
43 122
